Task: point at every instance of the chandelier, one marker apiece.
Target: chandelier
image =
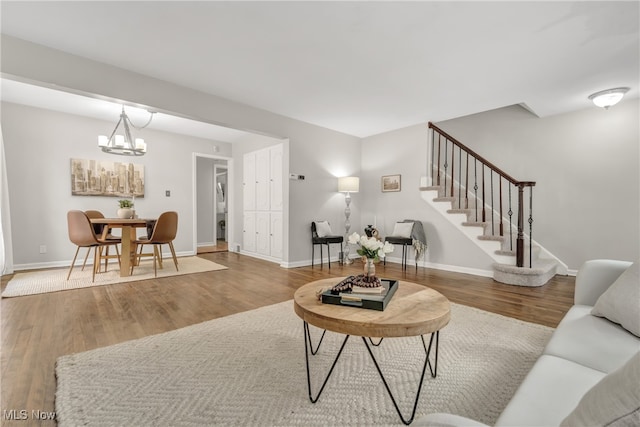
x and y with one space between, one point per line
122 143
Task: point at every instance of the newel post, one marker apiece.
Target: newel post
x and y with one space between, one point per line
520 237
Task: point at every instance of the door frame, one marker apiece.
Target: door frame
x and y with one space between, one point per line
230 197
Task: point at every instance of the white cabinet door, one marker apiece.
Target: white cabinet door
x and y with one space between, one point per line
276 228
263 201
262 233
275 173
249 232
249 182
262 180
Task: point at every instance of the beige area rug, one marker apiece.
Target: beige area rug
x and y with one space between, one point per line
42 281
249 369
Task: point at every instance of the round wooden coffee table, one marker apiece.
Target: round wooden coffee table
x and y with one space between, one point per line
414 310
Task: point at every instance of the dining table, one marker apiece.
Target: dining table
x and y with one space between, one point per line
128 226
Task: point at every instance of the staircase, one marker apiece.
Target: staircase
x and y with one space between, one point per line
489 207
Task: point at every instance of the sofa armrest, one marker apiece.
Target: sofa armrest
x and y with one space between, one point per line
595 277
446 420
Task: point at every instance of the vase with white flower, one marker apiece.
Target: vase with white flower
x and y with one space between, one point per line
371 250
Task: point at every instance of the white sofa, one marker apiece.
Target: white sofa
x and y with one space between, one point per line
589 372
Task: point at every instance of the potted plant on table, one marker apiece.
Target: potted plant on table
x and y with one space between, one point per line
126 209
371 250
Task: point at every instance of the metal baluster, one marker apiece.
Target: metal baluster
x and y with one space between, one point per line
466 184
459 178
475 184
446 165
433 151
510 221
500 194
453 165
484 213
439 159
530 226
492 191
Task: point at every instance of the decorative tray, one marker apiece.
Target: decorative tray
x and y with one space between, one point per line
371 301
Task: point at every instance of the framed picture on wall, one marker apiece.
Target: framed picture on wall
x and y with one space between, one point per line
391 183
102 178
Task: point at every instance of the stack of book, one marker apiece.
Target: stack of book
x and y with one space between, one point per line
359 292
375 298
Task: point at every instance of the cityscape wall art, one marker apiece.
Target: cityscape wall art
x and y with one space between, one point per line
104 178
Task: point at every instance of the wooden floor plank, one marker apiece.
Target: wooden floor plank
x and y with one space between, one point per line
38 329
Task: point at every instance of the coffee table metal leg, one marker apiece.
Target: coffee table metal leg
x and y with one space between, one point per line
427 363
308 336
308 346
375 344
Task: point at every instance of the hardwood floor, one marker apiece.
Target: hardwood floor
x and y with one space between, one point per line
220 246
38 329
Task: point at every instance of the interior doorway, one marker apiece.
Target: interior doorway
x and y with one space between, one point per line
212 219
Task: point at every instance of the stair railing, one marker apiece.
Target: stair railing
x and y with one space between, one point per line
450 157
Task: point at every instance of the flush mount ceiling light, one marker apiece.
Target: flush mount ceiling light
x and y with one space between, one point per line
122 143
607 98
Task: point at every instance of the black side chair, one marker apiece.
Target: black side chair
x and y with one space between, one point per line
325 240
405 242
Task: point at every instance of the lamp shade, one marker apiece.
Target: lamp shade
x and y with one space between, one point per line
349 184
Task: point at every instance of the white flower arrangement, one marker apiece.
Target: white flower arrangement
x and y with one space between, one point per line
370 247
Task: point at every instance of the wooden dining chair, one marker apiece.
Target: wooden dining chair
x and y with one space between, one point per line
164 233
103 232
81 234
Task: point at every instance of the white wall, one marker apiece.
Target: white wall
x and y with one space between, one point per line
320 154
586 167
39 145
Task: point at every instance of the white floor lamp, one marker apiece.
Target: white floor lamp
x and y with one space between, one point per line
347 185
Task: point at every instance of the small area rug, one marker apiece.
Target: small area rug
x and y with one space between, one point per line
248 369
53 280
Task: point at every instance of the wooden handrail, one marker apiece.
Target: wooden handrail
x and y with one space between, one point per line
482 159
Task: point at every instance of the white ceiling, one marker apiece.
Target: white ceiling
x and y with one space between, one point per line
361 68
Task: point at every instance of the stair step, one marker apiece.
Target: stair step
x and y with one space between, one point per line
457 210
506 253
492 238
444 199
537 275
476 224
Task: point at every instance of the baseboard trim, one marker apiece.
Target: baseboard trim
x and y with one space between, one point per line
457 269
200 245
410 263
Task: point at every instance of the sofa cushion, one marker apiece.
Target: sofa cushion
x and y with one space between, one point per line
550 391
592 341
614 401
621 302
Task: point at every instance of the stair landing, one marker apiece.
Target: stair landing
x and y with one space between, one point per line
540 273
